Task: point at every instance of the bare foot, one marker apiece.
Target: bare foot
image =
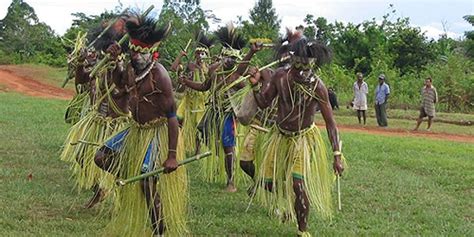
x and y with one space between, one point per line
99 196
231 188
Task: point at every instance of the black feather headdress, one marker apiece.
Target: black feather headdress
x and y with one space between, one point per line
146 34
231 40
308 51
107 38
204 42
282 46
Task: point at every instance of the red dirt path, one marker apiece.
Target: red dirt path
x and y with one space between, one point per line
31 87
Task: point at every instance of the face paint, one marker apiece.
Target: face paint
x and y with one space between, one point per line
140 60
229 63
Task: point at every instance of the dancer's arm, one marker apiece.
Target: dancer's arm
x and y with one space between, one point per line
326 111
265 95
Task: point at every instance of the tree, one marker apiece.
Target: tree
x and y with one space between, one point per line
469 42
410 47
87 23
318 29
27 39
264 22
187 18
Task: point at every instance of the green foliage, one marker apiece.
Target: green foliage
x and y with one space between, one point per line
188 19
453 77
410 49
469 42
25 39
264 22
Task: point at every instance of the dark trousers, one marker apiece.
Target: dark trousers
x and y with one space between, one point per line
381 114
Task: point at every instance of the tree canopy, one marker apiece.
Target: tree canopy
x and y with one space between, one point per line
391 46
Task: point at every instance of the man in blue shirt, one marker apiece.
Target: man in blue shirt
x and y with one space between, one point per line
382 91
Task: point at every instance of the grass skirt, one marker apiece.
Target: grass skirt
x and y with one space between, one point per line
281 152
131 213
192 110
77 108
85 170
213 168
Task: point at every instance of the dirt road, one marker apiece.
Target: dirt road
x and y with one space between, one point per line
29 86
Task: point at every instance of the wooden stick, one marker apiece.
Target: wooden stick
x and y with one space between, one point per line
259 128
243 78
339 202
121 182
339 193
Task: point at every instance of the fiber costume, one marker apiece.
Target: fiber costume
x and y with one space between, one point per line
80 104
103 120
295 173
218 125
299 155
143 148
192 105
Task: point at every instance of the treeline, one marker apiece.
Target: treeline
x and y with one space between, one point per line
393 47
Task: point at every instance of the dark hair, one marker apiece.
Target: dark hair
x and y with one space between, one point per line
230 38
429 79
204 40
146 29
105 39
282 46
305 48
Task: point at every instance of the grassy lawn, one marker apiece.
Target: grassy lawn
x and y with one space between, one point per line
395 186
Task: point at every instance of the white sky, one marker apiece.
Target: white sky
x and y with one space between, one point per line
429 15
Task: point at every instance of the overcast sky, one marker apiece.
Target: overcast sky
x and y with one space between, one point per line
429 15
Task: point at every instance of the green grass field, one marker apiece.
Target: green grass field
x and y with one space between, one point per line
395 186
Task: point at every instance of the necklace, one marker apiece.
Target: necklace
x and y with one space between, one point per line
145 73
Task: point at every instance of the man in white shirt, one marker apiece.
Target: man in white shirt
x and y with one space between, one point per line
361 90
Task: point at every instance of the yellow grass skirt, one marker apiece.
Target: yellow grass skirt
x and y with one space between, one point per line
213 168
302 156
131 214
191 109
77 108
85 170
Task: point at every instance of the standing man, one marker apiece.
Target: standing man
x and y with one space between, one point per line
150 142
218 124
295 170
429 97
382 91
360 96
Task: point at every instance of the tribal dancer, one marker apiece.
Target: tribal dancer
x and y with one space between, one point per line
81 59
218 125
295 170
260 120
150 142
109 114
192 105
